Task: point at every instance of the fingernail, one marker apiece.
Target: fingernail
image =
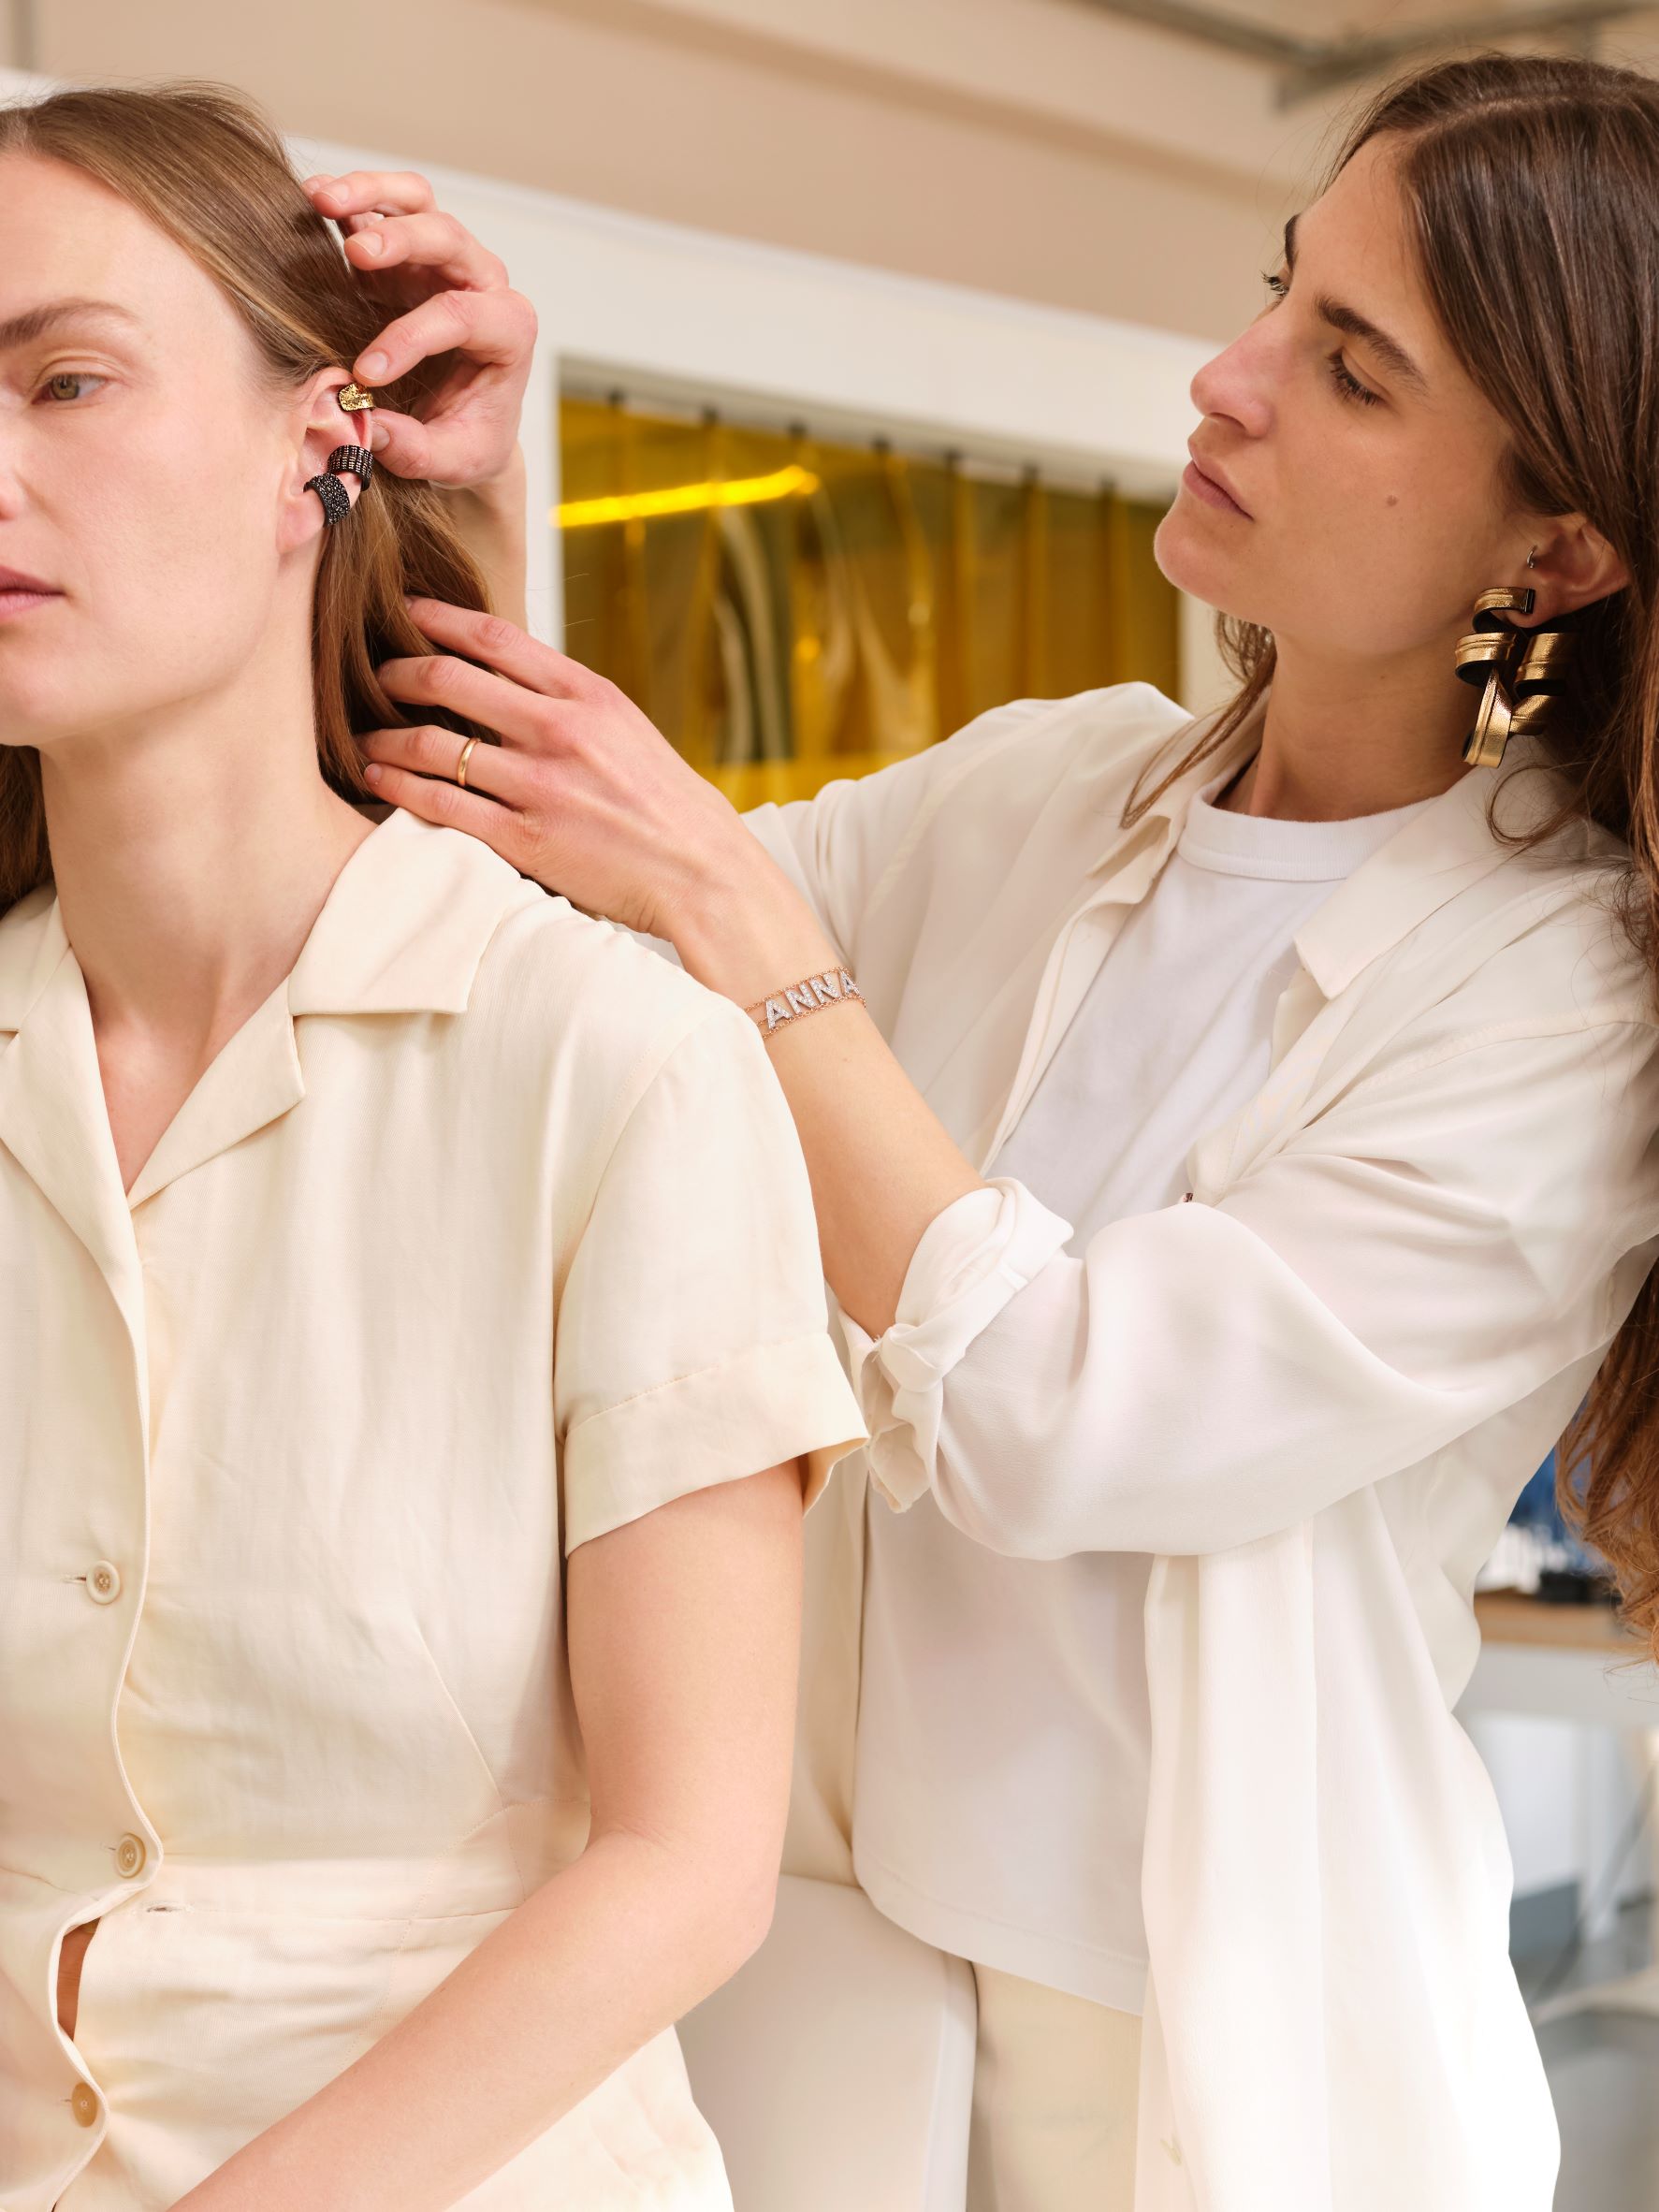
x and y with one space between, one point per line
379 437
372 241
372 772
373 367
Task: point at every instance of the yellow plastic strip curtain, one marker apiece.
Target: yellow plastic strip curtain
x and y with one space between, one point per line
788 609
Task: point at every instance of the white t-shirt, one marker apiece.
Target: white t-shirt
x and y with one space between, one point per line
1003 1733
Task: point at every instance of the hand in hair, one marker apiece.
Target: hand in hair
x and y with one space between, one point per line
446 296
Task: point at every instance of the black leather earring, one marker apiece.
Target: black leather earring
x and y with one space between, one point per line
336 501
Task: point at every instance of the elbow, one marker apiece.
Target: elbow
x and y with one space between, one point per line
1051 1499
733 1919
1025 1508
731 1897
751 1918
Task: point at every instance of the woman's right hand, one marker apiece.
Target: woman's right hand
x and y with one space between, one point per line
584 794
443 294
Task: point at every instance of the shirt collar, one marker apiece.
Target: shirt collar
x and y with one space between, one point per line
1430 858
401 931
405 926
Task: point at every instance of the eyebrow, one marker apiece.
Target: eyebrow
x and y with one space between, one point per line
1349 320
38 322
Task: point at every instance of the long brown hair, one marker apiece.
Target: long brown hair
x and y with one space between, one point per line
207 168
1531 187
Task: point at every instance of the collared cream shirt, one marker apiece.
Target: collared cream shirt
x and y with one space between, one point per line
1311 1388
486 1234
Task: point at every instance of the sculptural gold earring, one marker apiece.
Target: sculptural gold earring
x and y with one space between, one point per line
1524 671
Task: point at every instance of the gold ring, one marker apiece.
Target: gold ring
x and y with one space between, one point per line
460 765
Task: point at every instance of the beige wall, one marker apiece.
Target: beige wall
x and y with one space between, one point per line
1041 148
1027 146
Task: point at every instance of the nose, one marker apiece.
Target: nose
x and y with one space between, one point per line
1238 381
11 495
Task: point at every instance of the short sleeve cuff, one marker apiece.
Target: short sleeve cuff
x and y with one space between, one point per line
972 1258
766 1404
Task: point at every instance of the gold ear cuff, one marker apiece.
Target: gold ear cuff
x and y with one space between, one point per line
353 397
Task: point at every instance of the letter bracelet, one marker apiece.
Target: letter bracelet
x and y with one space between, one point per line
779 1008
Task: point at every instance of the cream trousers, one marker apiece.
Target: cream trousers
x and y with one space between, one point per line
1054 2084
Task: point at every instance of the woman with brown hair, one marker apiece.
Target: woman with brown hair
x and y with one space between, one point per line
399 1591
1240 1166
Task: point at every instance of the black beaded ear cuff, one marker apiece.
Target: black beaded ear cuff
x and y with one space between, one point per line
357 458
336 500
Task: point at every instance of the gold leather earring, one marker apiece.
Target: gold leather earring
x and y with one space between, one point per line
1524 671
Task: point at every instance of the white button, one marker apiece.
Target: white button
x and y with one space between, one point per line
84 2104
103 1581
130 1854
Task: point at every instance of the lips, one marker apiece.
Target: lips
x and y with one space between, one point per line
1215 475
13 580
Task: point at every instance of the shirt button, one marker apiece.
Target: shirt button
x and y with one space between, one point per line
130 1855
103 1582
84 2104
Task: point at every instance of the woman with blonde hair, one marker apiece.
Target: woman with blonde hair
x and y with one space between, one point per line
1240 1170
412 1326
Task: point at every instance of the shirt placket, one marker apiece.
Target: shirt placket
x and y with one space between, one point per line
96 1544
1074 959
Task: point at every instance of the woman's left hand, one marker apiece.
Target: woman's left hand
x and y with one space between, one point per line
584 793
445 294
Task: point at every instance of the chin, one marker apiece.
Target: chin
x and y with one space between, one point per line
1195 561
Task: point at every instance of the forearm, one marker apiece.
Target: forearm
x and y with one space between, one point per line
882 1165
491 520
591 1965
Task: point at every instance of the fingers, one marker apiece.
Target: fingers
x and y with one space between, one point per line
433 754
466 446
403 444
444 802
449 450
521 717
430 241
497 327
393 192
501 645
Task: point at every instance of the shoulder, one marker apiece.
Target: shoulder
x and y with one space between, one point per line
589 1003
1536 948
1099 739
1072 763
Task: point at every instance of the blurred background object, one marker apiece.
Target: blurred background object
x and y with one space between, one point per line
788 608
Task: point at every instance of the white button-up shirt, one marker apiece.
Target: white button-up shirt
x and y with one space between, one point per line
1313 1393
486 1233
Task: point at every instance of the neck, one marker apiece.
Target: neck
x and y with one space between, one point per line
193 849
1351 737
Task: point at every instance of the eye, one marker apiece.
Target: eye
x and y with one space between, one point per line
1275 284
1350 387
63 389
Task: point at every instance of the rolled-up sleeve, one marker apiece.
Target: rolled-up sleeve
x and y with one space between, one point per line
692 1342
1431 1249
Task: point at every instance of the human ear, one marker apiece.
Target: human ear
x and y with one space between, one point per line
319 425
1572 565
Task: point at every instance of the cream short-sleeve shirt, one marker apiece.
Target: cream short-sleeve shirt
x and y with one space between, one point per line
486 1233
